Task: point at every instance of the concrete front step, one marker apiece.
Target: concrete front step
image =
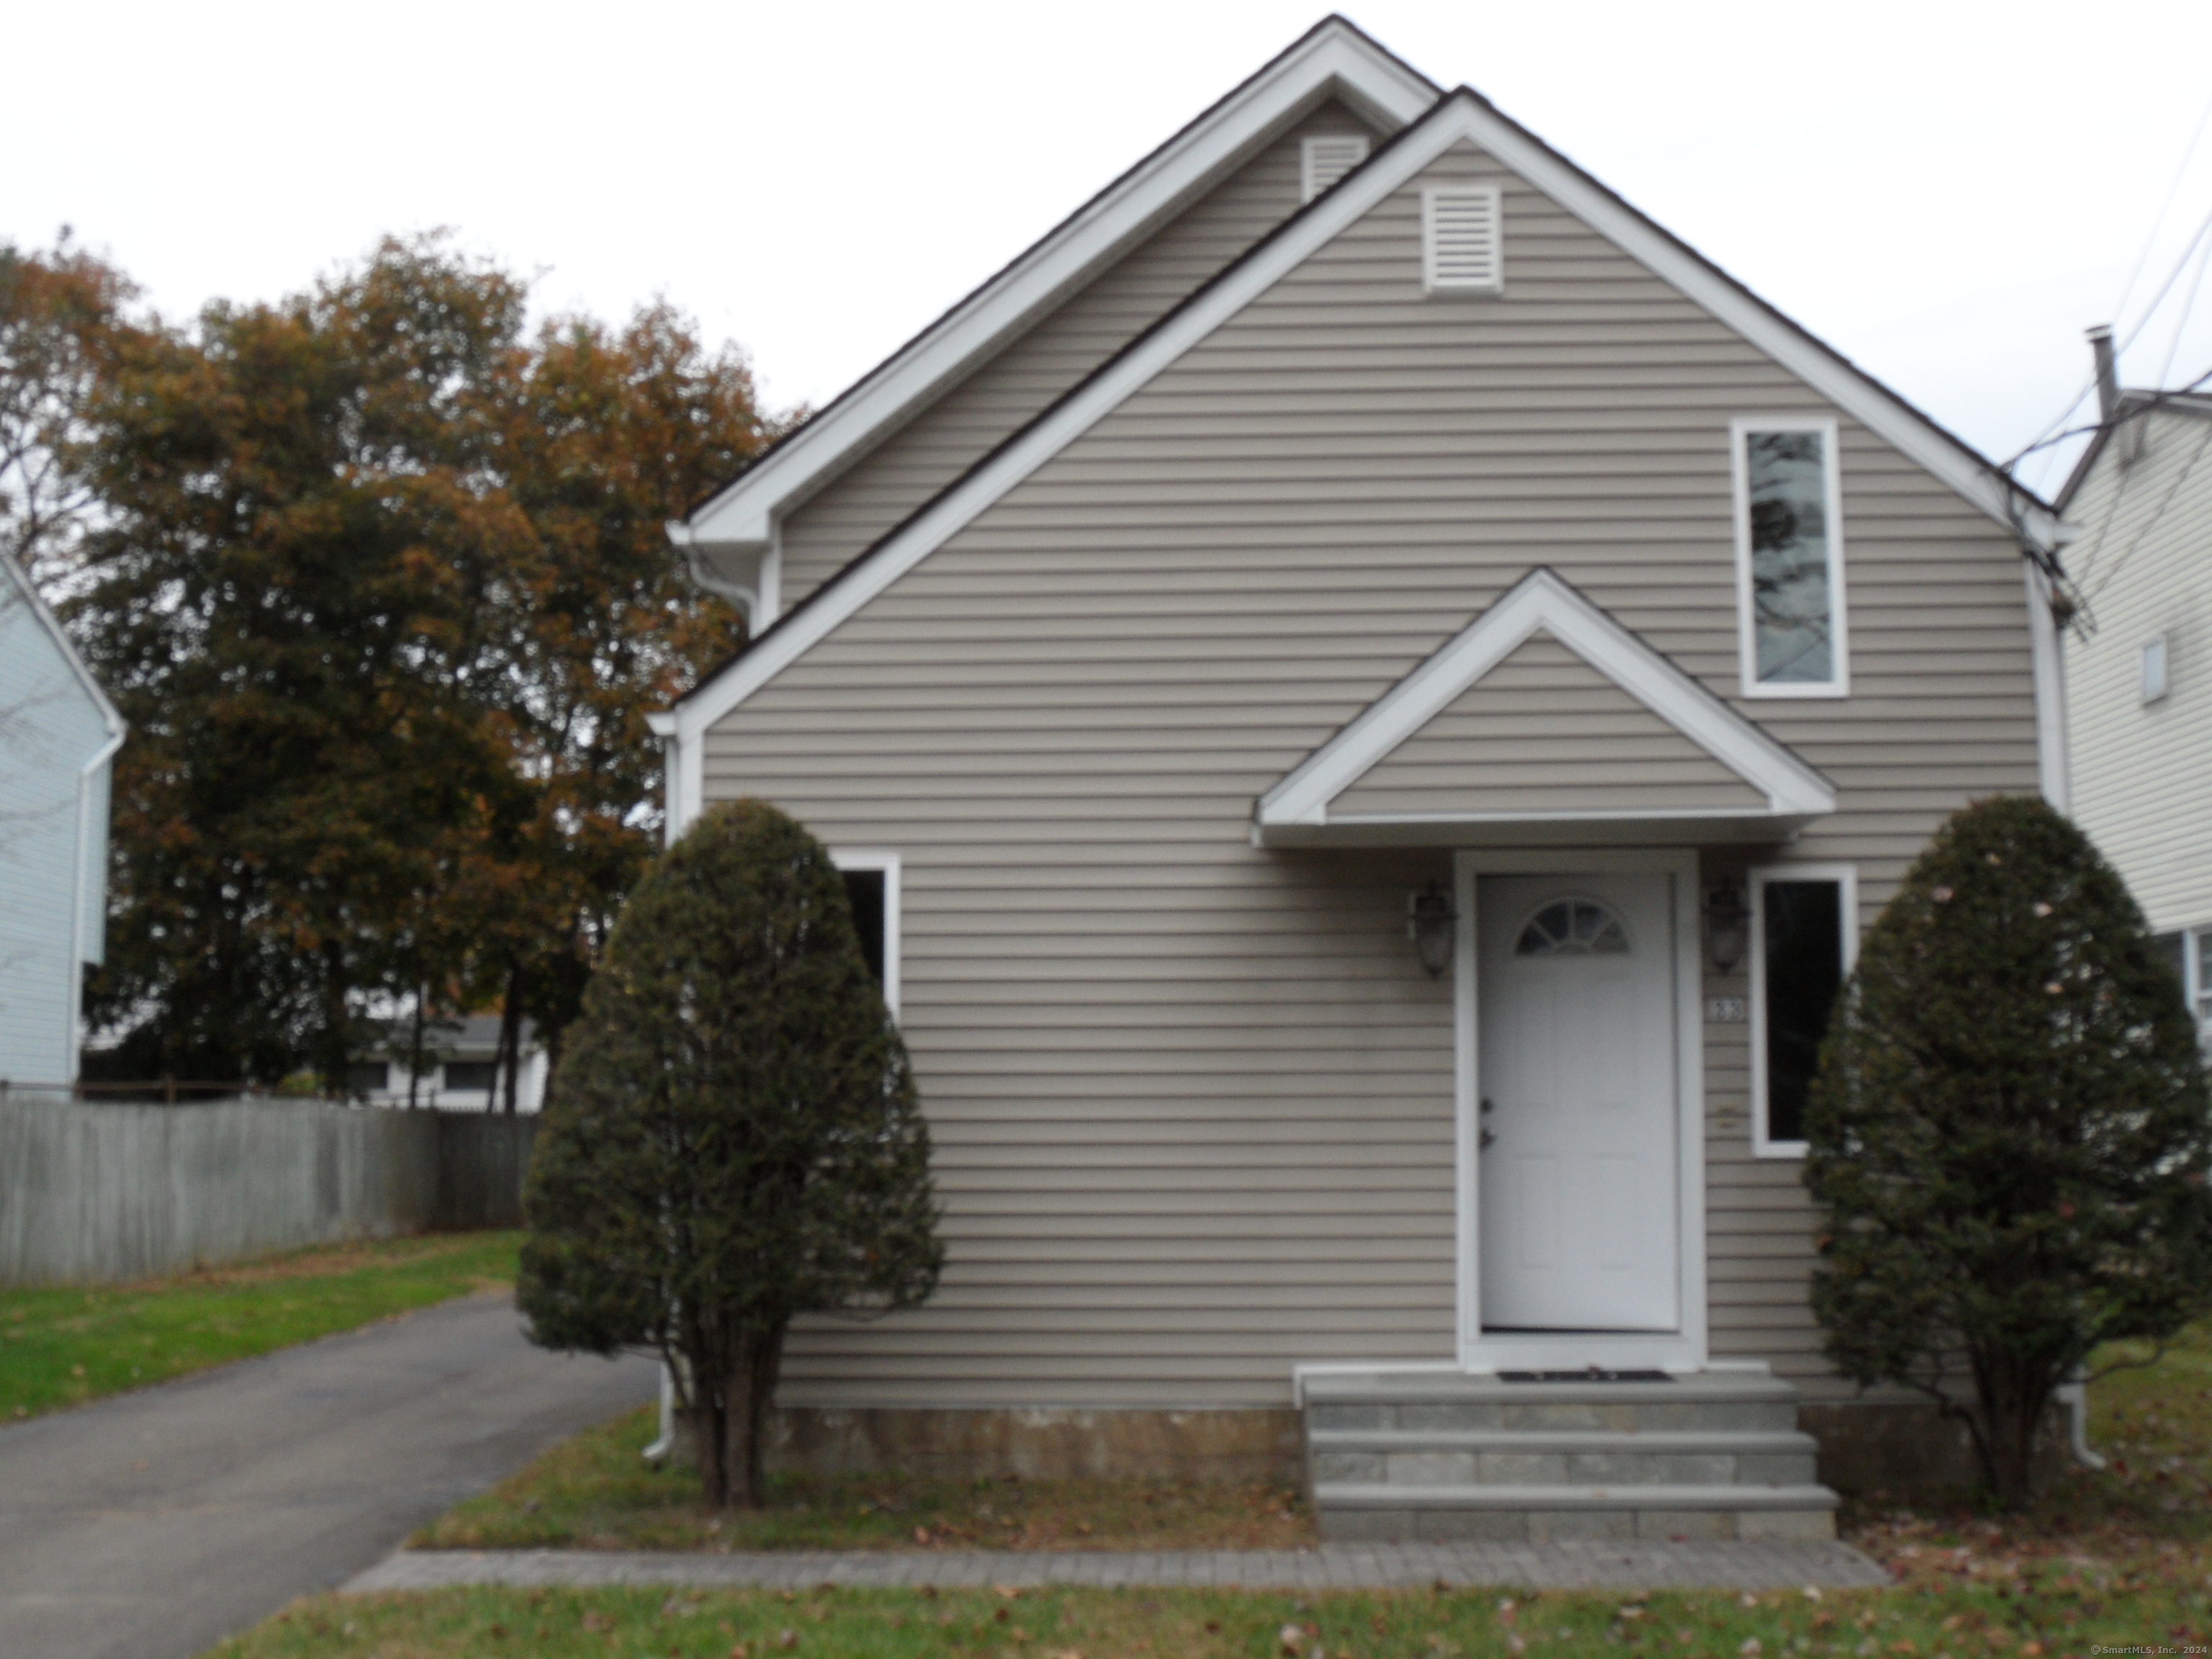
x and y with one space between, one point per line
1474 1457
1540 1514
1434 1401
1573 1457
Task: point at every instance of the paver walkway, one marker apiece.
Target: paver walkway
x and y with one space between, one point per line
150 1524
1330 1566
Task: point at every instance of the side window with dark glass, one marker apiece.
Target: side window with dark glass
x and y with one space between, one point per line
1802 945
865 888
872 886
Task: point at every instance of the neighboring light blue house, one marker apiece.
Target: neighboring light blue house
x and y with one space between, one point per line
59 735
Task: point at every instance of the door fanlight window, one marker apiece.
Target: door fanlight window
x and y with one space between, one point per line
1573 928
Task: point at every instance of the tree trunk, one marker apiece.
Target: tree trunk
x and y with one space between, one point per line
415 1057
2013 1397
752 1391
510 1030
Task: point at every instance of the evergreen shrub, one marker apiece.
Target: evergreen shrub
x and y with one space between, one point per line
2008 1133
733 1137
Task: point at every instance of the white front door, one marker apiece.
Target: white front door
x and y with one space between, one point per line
1577 1068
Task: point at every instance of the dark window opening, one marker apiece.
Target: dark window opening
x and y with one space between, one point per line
471 1074
2173 951
1804 945
368 1077
865 888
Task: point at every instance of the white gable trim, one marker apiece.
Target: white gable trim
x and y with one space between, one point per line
1543 601
1865 400
1334 58
42 615
1462 117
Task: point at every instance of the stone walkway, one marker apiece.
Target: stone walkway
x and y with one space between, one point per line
1330 1566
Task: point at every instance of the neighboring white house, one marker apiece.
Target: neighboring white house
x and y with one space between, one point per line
59 735
2139 668
459 1071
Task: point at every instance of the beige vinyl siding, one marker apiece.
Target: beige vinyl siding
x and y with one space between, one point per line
1545 732
916 462
1194 1097
2142 772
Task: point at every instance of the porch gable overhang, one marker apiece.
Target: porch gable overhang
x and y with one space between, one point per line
1307 808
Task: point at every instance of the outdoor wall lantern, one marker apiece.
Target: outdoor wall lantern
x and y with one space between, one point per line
1728 928
1433 926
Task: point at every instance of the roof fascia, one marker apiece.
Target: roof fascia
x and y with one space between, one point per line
43 614
1334 58
1852 389
1547 601
2133 405
1462 115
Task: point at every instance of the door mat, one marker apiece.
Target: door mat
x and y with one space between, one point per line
1592 1373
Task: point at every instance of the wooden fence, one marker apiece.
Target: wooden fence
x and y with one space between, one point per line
120 1191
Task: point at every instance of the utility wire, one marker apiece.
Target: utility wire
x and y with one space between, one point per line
2180 477
2187 154
2187 305
2044 438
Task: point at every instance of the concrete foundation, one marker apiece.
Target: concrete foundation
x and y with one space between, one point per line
1238 1447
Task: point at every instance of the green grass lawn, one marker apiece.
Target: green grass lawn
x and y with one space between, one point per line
1055 1623
2118 1557
64 1345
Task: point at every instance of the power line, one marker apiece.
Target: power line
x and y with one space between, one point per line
2187 154
2187 305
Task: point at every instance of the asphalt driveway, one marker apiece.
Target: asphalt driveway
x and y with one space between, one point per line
151 1524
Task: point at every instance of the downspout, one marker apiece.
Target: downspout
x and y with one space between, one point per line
745 598
73 1063
659 1450
2075 1396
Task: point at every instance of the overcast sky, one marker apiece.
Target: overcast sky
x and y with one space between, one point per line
1948 192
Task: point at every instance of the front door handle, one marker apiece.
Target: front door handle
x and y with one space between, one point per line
1485 1134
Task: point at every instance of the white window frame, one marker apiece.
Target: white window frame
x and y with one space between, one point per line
1739 430
1846 875
889 864
2155 669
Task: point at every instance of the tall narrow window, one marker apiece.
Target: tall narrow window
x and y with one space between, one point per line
1804 936
1789 564
871 882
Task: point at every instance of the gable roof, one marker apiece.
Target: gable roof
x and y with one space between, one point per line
1331 59
1300 809
43 618
1460 116
2132 406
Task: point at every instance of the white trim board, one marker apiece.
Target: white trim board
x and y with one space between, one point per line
42 615
1460 116
1334 58
1544 601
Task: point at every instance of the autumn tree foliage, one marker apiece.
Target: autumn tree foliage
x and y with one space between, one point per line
61 317
734 1139
379 579
2010 1133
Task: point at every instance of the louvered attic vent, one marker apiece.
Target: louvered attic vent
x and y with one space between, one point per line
1461 250
1327 157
